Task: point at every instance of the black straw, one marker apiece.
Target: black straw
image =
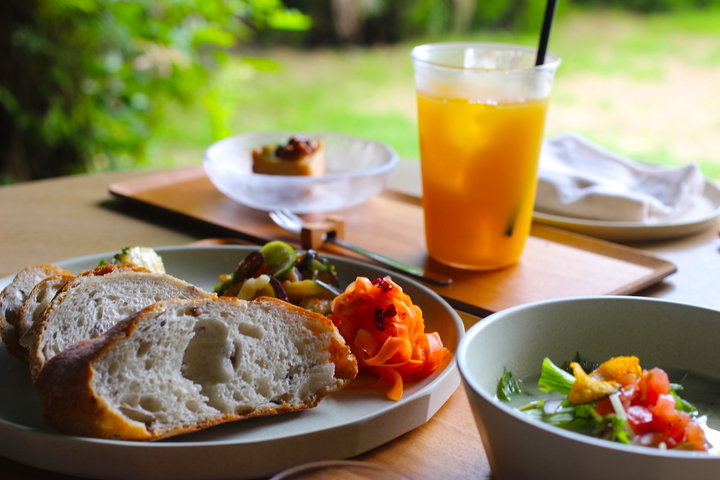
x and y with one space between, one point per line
545 34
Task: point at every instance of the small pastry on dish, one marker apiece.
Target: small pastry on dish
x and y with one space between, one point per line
300 156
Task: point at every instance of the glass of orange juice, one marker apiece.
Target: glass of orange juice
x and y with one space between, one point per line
481 116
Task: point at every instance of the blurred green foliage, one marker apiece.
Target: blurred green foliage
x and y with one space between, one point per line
650 5
83 83
372 22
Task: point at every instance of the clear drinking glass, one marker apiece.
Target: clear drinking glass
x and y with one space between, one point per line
481 116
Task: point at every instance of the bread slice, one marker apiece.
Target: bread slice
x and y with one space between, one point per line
183 365
12 298
32 308
90 304
43 293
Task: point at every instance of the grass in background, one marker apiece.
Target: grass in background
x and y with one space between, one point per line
644 86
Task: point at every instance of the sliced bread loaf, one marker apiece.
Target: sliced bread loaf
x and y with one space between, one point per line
90 304
43 293
33 306
12 298
183 365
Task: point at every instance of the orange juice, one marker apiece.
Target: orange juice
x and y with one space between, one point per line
479 169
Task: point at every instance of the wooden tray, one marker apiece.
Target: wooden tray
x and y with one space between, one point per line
556 263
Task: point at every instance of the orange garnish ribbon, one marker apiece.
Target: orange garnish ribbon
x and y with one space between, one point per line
386 333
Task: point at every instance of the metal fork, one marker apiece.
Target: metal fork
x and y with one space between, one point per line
287 220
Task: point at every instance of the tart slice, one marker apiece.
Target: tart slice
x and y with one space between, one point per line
300 156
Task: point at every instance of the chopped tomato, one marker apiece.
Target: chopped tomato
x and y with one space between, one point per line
654 382
649 406
604 406
628 394
640 419
694 438
669 421
653 417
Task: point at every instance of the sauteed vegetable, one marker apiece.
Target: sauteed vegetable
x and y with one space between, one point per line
277 270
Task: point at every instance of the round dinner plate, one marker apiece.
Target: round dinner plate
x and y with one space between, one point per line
702 215
345 424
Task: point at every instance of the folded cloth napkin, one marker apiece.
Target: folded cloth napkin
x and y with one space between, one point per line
580 179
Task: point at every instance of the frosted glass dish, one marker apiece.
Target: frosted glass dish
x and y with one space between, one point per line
356 170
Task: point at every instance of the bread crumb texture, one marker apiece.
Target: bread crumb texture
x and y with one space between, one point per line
90 305
188 364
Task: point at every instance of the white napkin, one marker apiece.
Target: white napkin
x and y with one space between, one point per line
580 179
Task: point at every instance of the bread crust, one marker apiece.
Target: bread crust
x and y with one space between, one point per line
35 357
345 363
11 299
71 405
109 268
31 310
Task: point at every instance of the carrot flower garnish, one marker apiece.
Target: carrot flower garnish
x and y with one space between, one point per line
386 332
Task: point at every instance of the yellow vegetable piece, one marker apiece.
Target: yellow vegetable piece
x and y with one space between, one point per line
302 289
256 287
618 368
604 380
587 388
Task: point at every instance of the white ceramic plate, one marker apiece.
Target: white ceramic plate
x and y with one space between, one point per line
699 217
347 423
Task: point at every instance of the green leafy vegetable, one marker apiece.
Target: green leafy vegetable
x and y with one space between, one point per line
680 403
554 378
582 418
621 431
508 386
560 418
116 259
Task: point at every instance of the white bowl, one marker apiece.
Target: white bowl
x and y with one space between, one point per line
660 333
356 170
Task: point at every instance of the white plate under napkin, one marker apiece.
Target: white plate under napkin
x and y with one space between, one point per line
586 188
